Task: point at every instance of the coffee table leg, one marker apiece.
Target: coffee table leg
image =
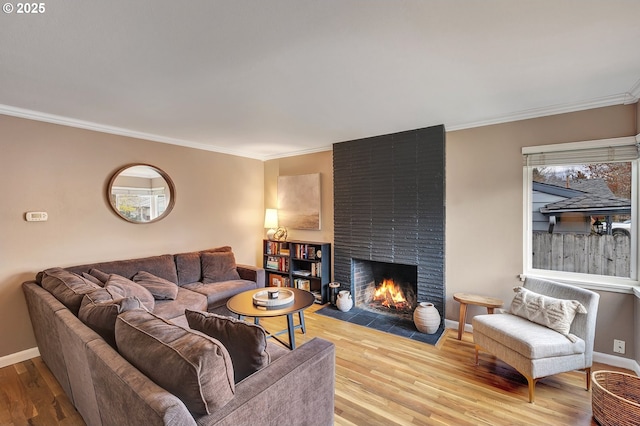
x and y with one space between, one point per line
291 328
256 320
302 326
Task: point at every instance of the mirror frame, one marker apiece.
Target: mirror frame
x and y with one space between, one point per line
165 176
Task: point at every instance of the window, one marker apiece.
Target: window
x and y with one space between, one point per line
581 211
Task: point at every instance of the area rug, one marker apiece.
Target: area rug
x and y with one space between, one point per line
387 324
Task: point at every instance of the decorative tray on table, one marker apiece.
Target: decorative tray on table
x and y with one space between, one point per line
283 297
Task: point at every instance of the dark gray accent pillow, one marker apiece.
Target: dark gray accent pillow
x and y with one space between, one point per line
67 287
194 367
100 308
218 266
127 288
246 343
160 288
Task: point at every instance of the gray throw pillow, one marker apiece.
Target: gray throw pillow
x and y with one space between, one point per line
67 287
556 314
194 367
246 343
160 288
100 308
92 279
98 274
218 266
127 288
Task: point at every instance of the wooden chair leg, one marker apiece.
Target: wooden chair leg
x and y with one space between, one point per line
588 371
532 387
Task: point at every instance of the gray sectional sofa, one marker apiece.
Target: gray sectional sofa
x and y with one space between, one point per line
107 371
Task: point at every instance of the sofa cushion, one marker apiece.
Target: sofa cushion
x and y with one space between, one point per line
218 266
69 288
529 339
100 308
557 314
160 288
103 277
186 299
162 266
127 288
218 293
92 279
246 343
189 267
194 367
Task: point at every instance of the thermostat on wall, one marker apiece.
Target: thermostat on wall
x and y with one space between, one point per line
36 216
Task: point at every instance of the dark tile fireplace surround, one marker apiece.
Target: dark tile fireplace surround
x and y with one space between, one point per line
389 208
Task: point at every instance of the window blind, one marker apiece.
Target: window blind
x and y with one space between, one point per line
604 151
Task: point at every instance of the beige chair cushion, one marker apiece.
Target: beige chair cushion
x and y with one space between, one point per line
194 367
557 314
529 339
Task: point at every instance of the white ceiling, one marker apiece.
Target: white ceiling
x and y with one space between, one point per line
270 78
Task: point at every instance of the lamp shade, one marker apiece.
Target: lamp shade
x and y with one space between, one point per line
271 218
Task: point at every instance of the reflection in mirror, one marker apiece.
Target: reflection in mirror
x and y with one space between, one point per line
141 193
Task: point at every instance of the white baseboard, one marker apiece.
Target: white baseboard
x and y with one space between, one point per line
19 356
617 361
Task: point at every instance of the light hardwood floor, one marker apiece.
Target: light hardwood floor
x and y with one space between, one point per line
381 379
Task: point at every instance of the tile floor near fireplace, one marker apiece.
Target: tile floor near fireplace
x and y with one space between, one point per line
388 324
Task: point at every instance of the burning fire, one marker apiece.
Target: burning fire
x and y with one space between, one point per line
390 295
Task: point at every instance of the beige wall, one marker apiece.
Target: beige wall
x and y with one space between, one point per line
484 199
322 163
484 208
221 200
65 171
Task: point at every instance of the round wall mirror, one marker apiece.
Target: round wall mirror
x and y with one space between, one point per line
141 193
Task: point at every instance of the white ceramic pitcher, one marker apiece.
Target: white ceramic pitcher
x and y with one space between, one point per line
344 302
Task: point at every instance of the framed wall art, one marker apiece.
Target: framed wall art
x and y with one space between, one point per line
299 201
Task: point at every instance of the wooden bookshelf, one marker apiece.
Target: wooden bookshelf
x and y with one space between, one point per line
299 264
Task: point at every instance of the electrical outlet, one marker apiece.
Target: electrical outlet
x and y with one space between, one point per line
618 346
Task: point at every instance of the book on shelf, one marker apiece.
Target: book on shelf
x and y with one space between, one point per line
316 269
276 280
302 272
272 262
302 284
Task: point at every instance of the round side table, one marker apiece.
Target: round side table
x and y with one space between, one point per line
473 299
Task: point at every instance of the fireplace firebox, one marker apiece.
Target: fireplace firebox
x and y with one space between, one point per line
385 288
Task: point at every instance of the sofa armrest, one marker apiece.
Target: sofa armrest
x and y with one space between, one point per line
251 273
298 388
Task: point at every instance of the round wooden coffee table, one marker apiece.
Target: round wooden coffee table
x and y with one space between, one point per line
242 305
473 299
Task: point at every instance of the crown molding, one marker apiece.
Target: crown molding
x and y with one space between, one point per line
296 153
634 92
88 125
605 101
620 99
